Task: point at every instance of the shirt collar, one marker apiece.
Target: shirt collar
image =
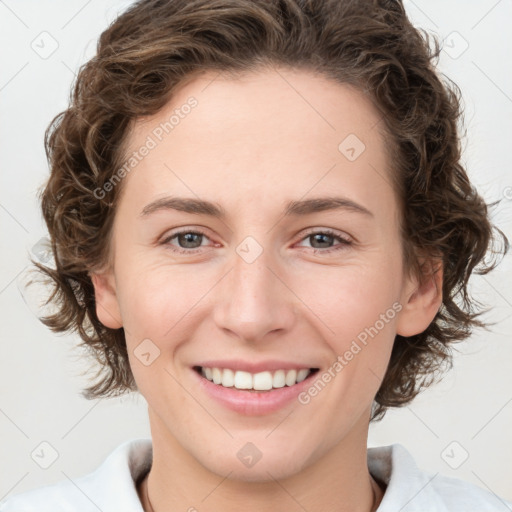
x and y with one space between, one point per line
408 488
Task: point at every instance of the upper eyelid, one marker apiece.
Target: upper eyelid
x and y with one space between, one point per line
169 236
329 231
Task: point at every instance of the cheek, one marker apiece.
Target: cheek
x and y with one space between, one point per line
157 306
352 298
361 313
358 306
155 298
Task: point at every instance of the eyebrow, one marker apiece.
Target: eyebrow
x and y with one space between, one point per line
293 208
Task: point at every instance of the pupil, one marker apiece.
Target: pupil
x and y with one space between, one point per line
321 238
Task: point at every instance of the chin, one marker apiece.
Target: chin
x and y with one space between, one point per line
277 467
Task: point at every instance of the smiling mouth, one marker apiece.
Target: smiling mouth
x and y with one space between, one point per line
255 382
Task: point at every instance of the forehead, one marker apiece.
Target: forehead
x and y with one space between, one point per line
272 131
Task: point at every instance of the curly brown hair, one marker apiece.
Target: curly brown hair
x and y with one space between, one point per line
157 45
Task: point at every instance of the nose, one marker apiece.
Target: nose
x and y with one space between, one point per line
256 300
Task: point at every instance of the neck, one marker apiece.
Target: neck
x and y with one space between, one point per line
338 481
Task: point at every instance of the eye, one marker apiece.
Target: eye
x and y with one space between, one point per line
322 240
189 241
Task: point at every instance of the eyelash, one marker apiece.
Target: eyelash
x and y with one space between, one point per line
344 242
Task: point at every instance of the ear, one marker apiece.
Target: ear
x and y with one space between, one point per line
107 306
421 299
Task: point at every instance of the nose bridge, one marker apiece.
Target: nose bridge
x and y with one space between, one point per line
255 301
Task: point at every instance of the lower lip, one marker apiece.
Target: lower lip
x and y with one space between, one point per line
254 403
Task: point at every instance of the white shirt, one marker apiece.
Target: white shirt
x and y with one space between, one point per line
112 487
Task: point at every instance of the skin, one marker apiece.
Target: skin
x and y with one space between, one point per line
251 145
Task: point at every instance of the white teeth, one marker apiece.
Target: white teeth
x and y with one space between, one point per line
217 375
243 380
291 378
262 381
228 378
302 374
279 379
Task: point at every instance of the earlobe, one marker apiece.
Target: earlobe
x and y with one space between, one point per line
421 301
107 306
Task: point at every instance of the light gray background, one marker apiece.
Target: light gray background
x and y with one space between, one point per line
468 414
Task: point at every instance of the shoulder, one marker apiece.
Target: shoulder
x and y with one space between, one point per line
111 487
409 489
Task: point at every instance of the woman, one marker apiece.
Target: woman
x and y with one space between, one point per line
260 221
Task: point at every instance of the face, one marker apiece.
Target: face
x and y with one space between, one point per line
295 262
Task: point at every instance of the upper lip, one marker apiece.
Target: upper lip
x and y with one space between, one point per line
254 367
